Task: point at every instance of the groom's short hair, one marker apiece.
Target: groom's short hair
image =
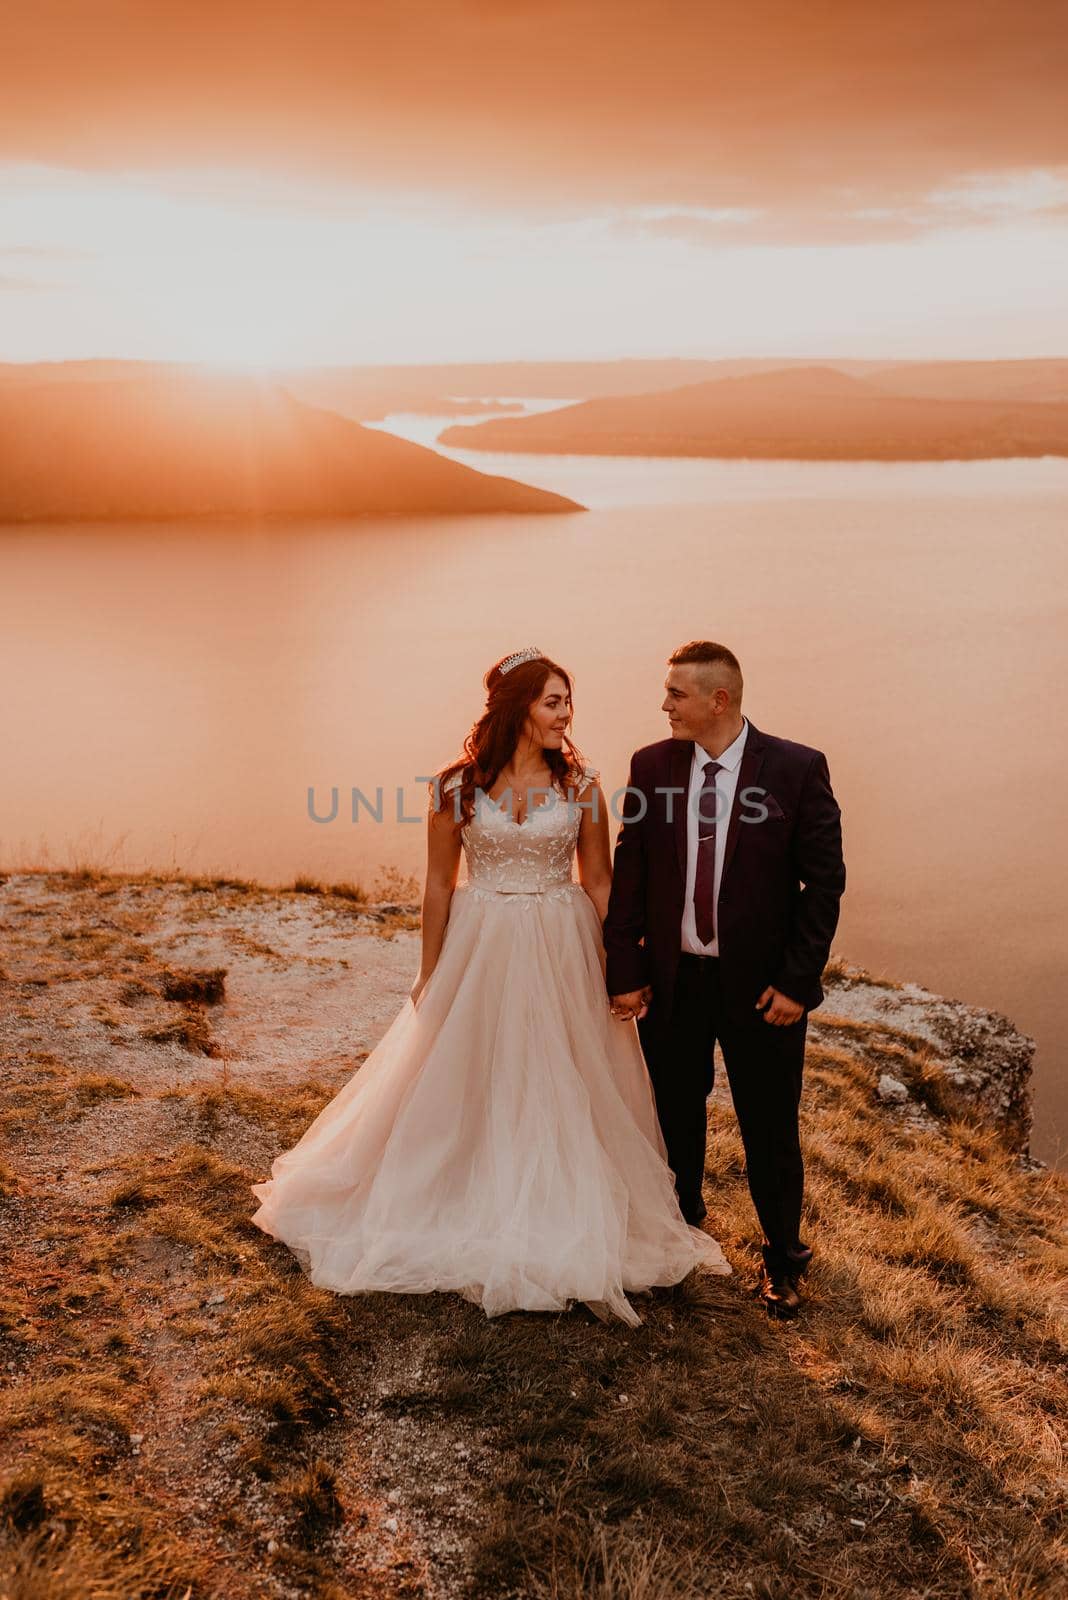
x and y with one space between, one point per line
720 666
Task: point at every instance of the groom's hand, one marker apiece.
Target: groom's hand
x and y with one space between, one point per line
632 1005
782 1010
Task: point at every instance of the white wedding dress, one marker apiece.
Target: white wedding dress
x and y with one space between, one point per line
501 1140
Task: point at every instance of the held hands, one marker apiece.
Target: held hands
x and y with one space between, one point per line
782 1010
633 1005
780 1013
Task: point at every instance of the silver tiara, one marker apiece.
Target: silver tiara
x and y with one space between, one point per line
531 653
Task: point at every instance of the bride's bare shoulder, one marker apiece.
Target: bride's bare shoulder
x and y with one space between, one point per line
442 797
583 773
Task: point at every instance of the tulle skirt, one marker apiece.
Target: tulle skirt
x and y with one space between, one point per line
501 1140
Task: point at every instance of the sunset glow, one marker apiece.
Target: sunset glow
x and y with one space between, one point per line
233 269
721 348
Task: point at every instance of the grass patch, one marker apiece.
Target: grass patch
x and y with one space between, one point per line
47 1090
208 987
191 1030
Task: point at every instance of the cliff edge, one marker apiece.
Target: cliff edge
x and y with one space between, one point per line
183 1413
938 1057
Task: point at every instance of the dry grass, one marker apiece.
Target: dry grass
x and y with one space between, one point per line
48 1090
284 1116
191 1031
205 987
840 971
191 1333
184 1416
344 891
394 922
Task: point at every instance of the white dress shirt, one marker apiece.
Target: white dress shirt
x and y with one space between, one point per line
726 784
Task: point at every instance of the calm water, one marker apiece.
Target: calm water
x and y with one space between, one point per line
172 694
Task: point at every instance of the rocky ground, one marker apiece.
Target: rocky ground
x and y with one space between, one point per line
183 1415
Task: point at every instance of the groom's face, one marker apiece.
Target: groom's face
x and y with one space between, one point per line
690 711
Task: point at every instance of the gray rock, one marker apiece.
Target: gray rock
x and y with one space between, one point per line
981 1057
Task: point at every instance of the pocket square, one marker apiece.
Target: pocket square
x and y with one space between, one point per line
751 811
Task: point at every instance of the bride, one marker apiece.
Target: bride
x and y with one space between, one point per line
501 1141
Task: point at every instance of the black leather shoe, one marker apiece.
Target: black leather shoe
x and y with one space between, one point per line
794 1267
694 1211
780 1296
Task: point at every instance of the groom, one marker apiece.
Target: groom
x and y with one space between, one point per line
728 875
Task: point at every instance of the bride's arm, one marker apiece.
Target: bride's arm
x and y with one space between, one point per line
443 849
593 852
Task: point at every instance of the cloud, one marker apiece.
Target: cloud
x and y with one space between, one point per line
23 285
31 253
1024 197
825 114
34 252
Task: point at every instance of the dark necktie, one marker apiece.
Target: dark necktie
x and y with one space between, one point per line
704 884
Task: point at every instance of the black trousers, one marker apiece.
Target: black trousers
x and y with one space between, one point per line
764 1068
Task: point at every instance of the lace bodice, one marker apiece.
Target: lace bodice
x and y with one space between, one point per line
532 857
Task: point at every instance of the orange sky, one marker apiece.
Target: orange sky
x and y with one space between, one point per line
652 143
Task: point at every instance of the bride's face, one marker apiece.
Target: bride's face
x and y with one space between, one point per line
549 716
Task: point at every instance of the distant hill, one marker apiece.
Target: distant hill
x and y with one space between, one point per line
179 443
805 413
1045 381
371 392
368 393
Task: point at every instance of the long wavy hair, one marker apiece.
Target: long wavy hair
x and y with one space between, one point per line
492 740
